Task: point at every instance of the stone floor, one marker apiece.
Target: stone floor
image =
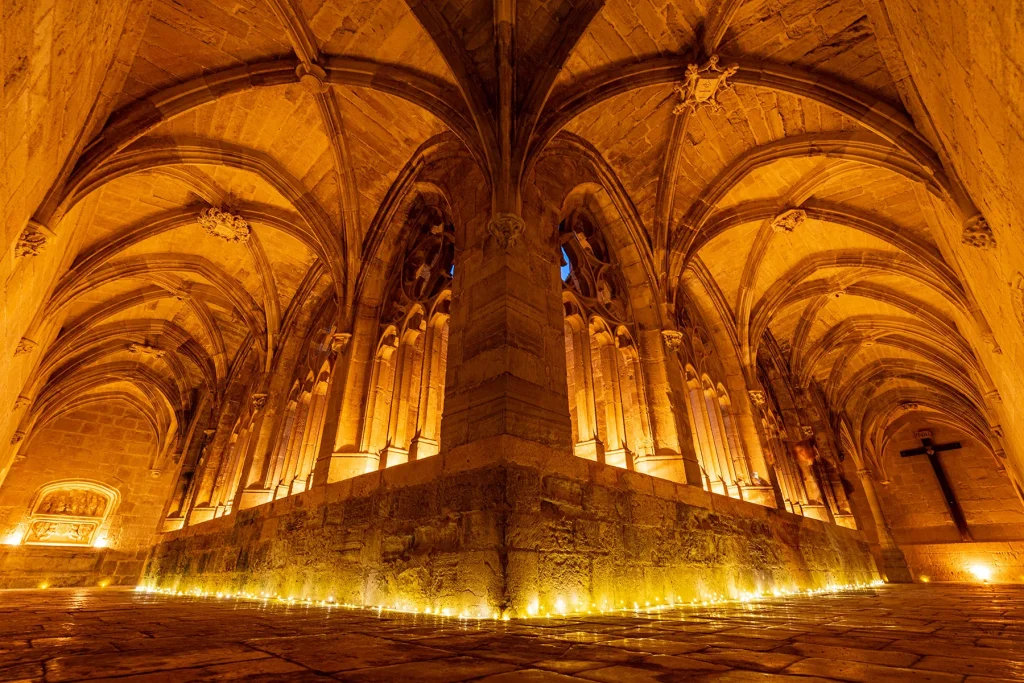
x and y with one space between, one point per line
969 633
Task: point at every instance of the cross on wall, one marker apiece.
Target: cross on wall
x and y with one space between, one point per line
932 450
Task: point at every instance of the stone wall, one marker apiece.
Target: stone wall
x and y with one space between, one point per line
108 443
914 504
957 561
491 536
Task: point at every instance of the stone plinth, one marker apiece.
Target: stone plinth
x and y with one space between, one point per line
508 534
29 566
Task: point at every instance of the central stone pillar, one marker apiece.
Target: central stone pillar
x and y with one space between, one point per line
505 390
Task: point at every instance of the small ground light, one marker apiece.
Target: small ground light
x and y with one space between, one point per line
923 579
981 572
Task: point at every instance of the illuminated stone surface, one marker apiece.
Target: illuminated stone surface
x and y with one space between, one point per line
933 634
490 302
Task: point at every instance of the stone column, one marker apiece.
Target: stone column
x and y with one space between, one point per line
674 457
506 392
589 445
894 563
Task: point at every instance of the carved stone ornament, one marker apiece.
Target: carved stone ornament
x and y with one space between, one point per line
259 401
909 407
994 396
24 346
702 86
17 438
507 228
146 350
673 339
229 227
312 77
788 221
757 397
978 233
339 341
32 240
993 345
22 402
997 431
923 434
807 431
155 473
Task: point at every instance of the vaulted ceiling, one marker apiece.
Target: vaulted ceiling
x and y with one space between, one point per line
301 115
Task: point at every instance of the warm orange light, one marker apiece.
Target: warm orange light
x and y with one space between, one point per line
924 579
14 538
104 583
981 572
44 585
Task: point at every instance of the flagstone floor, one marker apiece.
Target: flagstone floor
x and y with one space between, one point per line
924 633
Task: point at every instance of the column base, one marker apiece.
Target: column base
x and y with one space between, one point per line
252 497
199 515
671 466
818 512
620 457
762 495
340 466
846 520
422 447
894 566
591 450
393 455
172 524
281 491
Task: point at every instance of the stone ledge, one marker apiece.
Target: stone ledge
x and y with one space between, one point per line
507 536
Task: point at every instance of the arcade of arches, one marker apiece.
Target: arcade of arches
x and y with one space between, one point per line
485 301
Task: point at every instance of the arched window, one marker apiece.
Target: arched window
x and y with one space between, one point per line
402 421
607 404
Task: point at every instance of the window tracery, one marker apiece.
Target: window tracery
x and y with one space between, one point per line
607 403
406 396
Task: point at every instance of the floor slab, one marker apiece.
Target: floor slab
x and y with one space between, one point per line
927 633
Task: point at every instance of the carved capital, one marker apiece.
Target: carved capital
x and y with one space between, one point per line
807 431
339 341
788 221
22 402
259 401
227 226
673 339
312 77
25 345
978 233
145 350
702 86
994 396
909 406
997 431
17 438
32 240
507 229
758 397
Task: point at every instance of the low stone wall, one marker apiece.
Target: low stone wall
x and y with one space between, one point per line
508 536
955 561
26 566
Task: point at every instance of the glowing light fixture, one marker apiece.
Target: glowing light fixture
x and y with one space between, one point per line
100 542
14 538
981 572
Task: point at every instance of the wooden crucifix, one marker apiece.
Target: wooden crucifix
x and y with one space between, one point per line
932 450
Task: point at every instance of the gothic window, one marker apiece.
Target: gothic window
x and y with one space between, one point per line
70 513
406 397
607 405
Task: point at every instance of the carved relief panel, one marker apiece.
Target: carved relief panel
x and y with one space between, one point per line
69 513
